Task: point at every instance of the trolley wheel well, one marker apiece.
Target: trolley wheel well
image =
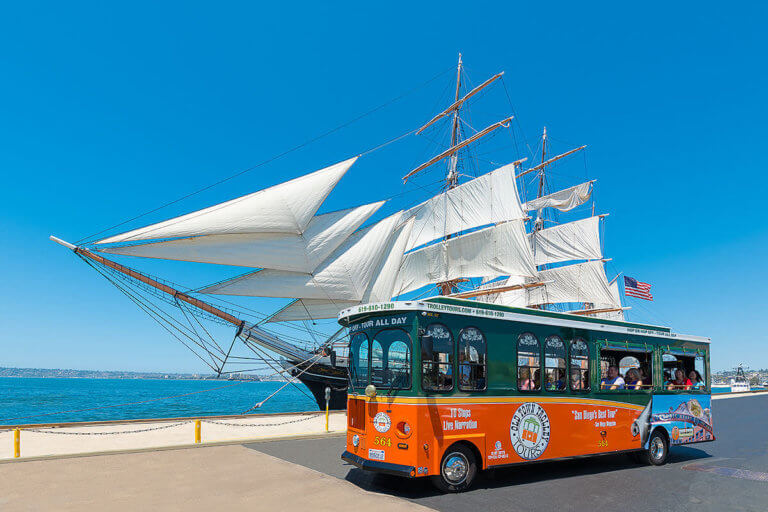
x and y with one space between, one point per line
663 432
475 450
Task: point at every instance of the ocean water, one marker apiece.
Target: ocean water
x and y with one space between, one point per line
727 389
30 400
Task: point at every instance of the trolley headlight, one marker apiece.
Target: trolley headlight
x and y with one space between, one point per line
370 391
355 440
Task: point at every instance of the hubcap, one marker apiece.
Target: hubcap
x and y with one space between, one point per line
455 468
657 448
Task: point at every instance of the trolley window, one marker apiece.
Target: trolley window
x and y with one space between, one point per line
554 363
683 371
472 360
391 359
437 358
625 367
579 365
358 359
528 362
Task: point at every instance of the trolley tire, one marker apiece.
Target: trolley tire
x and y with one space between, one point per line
458 469
658 449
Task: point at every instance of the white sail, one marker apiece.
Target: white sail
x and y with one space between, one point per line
515 298
579 240
563 200
612 315
494 251
380 290
583 282
284 208
489 199
280 251
311 309
344 276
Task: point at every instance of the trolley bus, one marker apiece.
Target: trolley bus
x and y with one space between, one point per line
444 388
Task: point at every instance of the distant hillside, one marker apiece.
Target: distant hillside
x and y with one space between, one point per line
57 373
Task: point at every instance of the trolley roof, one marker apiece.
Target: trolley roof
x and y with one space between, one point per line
508 313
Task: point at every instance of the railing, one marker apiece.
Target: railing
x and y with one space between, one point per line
235 421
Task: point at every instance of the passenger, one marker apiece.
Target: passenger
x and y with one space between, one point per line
633 379
696 381
576 383
525 383
645 375
614 380
551 384
680 382
560 384
536 379
556 380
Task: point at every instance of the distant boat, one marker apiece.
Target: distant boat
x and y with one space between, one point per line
740 383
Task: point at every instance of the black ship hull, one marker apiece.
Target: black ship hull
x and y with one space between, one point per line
320 376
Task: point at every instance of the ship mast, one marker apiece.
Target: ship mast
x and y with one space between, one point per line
452 176
543 159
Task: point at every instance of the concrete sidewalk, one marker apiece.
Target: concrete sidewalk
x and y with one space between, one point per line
117 436
209 478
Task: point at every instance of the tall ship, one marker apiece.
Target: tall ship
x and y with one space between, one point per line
490 232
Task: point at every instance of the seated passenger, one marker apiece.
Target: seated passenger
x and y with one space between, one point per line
576 383
560 384
536 379
645 375
680 382
524 381
696 381
633 379
613 381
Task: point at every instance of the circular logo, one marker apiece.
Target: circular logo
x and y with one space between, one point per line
675 434
529 431
381 422
498 445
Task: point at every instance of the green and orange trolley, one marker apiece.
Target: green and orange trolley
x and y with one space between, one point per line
444 388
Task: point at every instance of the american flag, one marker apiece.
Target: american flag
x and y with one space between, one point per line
634 288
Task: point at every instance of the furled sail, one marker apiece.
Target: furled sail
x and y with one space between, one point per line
284 208
380 289
489 199
343 276
494 251
563 200
579 240
281 251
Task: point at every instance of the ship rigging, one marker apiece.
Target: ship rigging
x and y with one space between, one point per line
475 239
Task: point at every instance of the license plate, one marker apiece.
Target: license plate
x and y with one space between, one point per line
376 454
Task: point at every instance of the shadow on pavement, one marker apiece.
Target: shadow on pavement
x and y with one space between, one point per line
515 475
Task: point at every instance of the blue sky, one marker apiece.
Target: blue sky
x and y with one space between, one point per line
109 111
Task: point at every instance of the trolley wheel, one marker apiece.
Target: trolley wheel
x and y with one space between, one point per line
457 470
658 449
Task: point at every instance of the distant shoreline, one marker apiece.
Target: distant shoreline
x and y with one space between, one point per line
58 373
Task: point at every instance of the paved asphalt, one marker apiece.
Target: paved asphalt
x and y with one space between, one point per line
728 474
